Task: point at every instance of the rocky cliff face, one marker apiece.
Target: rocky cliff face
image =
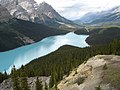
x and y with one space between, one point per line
98 72
19 8
4 14
38 13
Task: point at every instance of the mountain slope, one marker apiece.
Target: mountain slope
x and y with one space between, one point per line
112 15
100 36
68 58
39 13
60 63
16 33
93 74
100 70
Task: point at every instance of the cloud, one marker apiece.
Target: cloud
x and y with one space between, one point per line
73 9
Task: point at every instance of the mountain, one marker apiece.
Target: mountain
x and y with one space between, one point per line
88 18
16 33
112 15
39 13
4 14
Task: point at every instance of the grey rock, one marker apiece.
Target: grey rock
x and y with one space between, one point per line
4 14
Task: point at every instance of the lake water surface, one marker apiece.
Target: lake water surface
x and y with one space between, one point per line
25 54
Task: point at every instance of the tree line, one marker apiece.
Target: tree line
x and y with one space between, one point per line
67 58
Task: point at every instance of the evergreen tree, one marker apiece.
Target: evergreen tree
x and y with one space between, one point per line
65 59
98 88
105 67
15 79
23 79
46 86
5 75
1 77
51 82
39 85
55 84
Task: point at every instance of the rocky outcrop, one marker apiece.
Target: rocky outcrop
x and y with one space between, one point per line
4 14
92 74
7 84
19 8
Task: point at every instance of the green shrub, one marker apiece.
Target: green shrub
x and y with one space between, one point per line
105 67
98 88
80 80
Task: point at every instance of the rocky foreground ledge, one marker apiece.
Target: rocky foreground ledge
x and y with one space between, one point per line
101 72
7 84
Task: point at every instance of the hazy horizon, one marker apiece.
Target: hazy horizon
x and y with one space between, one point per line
74 9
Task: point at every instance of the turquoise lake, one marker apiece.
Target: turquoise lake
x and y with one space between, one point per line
25 54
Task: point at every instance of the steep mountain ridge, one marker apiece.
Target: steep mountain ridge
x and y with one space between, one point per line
19 8
39 13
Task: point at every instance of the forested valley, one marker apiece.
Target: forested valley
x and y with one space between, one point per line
61 62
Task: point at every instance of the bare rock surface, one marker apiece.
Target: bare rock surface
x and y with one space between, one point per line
89 75
4 14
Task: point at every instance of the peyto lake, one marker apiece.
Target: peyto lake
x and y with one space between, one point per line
25 54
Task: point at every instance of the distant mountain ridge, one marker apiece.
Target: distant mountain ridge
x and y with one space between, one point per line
39 13
112 15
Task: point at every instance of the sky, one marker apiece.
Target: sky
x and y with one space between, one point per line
74 9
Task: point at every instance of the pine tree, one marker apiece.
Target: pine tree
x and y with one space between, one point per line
15 79
5 75
46 86
23 79
39 85
53 79
51 82
98 88
55 83
105 67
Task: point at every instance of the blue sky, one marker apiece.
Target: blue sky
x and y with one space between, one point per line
74 9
